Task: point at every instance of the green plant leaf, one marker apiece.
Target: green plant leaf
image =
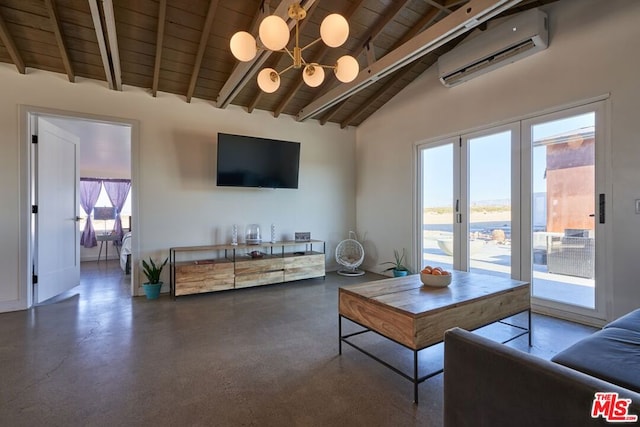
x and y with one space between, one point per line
152 270
398 264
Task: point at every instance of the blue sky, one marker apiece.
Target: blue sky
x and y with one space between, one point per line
490 159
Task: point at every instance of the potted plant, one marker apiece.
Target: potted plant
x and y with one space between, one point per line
152 271
398 267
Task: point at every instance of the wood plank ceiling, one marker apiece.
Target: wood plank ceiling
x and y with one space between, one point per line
182 47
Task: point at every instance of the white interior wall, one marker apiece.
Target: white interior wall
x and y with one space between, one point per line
179 203
593 52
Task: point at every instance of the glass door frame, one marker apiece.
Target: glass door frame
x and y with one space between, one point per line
603 244
465 202
460 196
419 226
521 204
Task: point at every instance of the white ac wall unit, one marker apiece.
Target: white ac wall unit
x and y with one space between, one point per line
507 42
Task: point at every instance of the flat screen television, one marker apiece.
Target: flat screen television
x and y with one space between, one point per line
245 161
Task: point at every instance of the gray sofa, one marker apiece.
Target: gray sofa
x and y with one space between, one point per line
490 384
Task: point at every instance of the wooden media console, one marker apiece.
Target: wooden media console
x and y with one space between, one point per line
221 267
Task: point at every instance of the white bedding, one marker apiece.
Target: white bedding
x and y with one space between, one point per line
124 251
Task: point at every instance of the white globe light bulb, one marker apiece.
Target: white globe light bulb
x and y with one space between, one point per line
274 32
268 80
313 75
243 46
347 69
334 30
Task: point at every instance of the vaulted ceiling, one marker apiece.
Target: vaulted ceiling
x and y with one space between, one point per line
182 47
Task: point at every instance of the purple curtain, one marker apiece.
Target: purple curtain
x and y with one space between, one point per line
117 190
89 192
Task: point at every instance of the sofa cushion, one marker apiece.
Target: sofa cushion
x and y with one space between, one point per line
611 354
630 321
487 384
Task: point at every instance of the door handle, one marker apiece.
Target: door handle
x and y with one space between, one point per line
592 215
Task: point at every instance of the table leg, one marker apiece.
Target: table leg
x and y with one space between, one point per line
100 251
339 334
415 376
529 327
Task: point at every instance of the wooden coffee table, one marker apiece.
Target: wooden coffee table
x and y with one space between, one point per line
416 317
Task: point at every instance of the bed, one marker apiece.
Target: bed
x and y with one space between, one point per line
125 253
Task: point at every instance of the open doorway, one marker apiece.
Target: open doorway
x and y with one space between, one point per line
103 160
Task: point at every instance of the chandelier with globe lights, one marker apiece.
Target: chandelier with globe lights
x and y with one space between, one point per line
274 36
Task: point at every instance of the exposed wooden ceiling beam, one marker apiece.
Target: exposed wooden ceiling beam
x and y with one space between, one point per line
439 6
112 37
425 21
57 31
204 39
332 112
317 59
104 54
388 16
10 45
263 12
162 18
457 23
254 102
245 70
357 112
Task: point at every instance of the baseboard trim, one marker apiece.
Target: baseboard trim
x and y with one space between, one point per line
566 315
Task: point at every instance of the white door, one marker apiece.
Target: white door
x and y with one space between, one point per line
567 178
57 253
439 208
489 200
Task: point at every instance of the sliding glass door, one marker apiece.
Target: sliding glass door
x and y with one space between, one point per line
568 207
466 197
524 200
489 195
437 208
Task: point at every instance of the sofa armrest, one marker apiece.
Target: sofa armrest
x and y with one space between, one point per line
490 384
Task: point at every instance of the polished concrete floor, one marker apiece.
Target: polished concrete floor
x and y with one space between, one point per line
264 356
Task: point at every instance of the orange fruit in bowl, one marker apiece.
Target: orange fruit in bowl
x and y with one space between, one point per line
445 273
437 269
436 272
427 270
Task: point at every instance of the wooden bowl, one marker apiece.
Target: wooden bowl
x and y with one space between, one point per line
435 281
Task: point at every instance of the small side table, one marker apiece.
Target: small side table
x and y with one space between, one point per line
106 238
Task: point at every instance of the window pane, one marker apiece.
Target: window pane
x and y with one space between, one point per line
490 204
107 226
563 208
437 209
